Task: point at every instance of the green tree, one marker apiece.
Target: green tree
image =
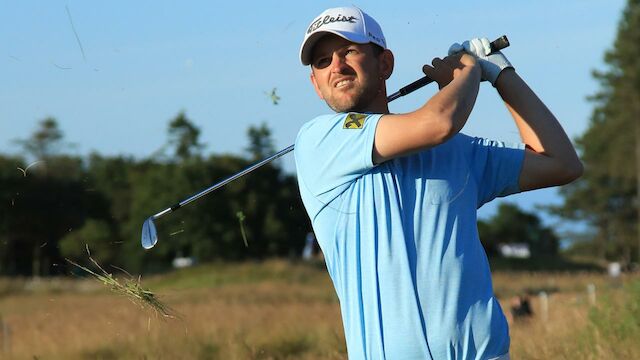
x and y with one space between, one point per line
101 202
513 225
184 138
95 236
9 193
209 229
40 207
36 212
607 196
45 140
260 141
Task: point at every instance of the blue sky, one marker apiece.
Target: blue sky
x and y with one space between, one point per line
145 61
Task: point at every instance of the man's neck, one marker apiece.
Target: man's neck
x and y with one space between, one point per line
379 105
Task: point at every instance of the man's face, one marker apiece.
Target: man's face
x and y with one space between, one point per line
346 75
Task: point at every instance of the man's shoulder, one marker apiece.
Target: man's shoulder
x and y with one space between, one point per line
329 120
321 125
315 123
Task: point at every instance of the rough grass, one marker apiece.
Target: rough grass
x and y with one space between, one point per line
281 310
129 287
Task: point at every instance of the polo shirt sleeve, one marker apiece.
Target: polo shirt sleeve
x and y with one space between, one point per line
496 166
332 151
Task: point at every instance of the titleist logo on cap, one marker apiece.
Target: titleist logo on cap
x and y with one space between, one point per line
319 22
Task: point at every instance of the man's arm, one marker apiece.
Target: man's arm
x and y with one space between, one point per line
439 119
550 158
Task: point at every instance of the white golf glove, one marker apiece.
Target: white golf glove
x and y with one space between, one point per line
490 63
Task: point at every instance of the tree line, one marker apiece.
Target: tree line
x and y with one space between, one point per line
62 206
68 207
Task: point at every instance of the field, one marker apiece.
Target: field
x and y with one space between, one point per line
282 310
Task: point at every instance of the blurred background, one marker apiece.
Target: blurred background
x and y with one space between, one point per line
113 111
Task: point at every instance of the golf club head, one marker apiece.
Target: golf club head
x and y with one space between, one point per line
149 234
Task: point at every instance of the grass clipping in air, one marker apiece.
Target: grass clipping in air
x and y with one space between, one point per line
241 218
130 288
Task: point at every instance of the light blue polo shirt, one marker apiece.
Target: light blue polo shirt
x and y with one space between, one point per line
400 239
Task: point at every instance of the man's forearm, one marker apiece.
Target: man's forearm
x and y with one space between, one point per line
539 129
455 101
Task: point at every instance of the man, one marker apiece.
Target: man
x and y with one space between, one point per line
393 197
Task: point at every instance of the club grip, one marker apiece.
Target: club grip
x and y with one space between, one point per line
499 43
496 45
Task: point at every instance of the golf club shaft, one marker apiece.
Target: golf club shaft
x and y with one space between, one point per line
225 181
496 45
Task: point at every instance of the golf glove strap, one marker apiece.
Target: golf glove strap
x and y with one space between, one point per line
490 63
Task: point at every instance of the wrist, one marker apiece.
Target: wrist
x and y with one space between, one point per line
468 71
473 73
476 70
505 77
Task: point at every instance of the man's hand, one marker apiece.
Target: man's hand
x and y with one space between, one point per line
444 70
492 64
439 119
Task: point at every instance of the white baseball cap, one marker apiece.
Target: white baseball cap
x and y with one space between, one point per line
349 23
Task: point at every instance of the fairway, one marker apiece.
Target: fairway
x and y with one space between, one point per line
282 310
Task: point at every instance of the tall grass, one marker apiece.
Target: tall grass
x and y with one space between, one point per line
614 325
282 310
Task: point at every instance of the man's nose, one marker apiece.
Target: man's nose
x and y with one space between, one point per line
337 63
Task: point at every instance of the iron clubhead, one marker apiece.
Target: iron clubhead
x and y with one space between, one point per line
149 234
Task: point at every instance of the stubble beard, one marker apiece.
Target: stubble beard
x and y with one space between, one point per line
359 101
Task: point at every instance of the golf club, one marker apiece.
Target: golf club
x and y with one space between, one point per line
149 233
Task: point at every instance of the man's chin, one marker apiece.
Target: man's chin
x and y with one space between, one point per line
343 107
352 102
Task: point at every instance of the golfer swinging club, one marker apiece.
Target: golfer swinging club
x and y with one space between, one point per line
392 197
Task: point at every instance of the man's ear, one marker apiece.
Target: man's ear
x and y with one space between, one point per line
386 63
315 85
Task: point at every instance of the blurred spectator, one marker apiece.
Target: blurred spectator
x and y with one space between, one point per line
310 247
520 307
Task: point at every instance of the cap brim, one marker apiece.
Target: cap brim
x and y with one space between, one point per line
307 47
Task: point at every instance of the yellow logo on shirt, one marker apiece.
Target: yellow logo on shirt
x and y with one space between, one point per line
354 121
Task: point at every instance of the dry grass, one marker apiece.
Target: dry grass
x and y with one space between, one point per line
275 310
128 287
